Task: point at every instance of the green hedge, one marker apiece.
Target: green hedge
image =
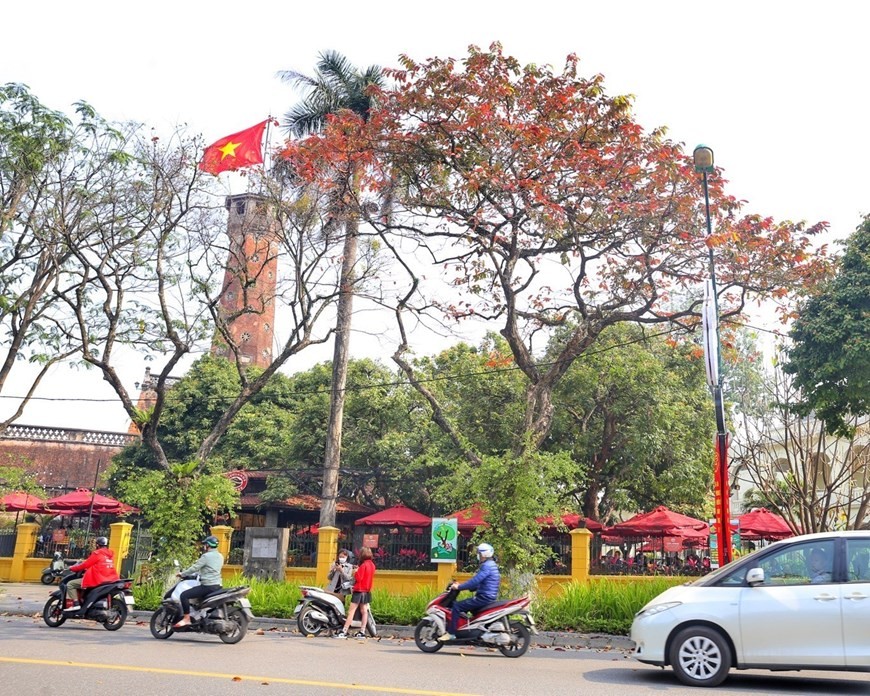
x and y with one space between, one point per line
600 606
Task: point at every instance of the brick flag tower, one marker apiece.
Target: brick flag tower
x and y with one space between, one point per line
247 302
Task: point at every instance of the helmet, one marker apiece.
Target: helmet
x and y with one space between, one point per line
101 541
211 542
485 551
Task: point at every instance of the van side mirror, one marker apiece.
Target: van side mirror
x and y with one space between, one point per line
754 577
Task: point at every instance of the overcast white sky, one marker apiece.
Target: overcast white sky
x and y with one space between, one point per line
778 89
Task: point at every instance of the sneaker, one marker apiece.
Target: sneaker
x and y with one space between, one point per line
340 634
444 637
74 607
359 634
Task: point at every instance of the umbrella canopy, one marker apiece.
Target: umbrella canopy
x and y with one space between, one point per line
659 521
473 517
22 502
572 520
470 518
761 523
79 501
398 515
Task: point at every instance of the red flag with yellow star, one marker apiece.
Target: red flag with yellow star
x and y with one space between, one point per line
235 151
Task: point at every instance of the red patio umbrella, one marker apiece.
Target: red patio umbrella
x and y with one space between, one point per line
761 523
20 501
572 520
83 501
398 515
660 521
470 518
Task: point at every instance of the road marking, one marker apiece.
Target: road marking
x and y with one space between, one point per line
237 677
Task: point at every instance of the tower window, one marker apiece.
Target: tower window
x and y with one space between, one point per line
245 337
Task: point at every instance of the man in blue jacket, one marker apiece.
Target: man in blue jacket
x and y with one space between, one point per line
485 581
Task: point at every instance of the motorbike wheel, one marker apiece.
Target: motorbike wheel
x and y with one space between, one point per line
52 612
241 628
425 638
523 638
308 626
47 578
120 607
161 624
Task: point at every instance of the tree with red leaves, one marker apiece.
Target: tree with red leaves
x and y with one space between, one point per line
546 206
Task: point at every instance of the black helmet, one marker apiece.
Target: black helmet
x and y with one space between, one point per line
211 541
101 541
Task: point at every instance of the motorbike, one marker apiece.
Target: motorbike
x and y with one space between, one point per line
55 570
225 613
489 626
107 604
319 610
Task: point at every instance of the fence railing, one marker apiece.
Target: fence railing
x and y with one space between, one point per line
7 542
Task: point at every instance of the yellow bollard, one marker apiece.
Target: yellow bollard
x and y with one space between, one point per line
224 534
327 550
581 541
120 534
446 573
25 545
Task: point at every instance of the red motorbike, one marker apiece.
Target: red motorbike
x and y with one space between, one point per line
504 624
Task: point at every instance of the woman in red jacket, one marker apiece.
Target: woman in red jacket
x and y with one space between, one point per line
99 568
362 594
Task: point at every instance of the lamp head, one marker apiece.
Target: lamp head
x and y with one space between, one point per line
703 157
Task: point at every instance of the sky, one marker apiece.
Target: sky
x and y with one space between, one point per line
777 89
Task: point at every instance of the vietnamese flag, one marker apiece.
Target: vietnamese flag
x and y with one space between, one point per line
235 151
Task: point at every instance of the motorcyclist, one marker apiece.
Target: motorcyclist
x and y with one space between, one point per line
99 567
208 567
486 582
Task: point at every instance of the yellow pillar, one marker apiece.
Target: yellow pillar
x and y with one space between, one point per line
327 550
446 573
25 544
224 534
580 554
120 534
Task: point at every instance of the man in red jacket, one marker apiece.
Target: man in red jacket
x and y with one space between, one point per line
99 568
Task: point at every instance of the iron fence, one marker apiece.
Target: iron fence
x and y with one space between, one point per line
396 549
7 542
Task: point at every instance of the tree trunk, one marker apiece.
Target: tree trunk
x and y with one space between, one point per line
332 452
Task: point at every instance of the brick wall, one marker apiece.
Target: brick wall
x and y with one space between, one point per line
61 458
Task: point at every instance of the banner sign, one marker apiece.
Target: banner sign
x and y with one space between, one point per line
445 534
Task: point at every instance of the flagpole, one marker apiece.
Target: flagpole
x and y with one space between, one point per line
265 145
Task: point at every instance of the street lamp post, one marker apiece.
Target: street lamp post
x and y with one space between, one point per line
703 159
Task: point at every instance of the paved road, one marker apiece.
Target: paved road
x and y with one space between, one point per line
81 657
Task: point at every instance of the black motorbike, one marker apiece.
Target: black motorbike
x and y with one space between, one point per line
55 571
107 604
225 613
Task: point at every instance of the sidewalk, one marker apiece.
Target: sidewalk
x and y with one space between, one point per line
28 599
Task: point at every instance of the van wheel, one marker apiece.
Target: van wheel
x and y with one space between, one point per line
700 656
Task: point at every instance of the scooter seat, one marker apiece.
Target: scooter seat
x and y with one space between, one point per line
491 605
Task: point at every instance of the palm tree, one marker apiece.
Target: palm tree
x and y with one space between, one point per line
337 85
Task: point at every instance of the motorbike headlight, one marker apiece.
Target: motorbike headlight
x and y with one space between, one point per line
656 609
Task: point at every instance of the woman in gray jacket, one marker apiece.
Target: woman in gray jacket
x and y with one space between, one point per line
209 568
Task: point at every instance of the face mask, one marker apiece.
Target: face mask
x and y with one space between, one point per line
342 559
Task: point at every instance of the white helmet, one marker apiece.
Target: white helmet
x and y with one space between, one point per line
485 551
